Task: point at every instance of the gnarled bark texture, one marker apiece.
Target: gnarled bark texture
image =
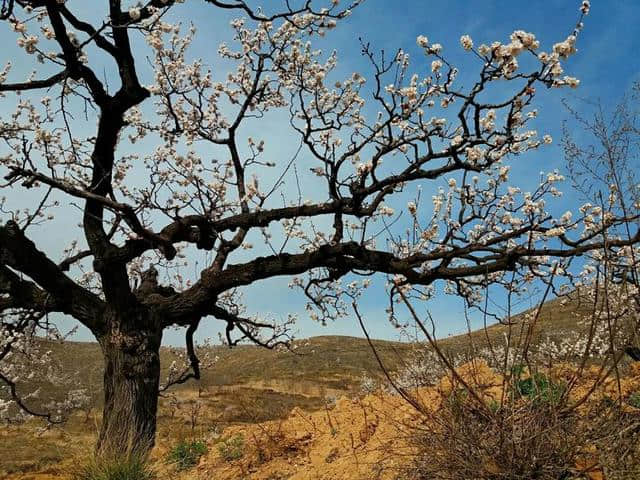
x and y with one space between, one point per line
131 382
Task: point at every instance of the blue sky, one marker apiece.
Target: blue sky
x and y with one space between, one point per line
606 64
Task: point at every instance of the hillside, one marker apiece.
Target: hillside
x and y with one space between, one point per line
375 437
331 363
317 367
247 385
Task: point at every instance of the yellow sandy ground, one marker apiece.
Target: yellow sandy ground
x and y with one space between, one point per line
356 439
366 438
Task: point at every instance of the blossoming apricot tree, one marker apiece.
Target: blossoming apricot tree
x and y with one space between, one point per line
151 193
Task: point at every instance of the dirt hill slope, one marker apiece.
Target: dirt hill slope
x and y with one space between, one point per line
373 437
247 386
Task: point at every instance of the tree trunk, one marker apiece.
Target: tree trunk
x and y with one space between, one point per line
131 380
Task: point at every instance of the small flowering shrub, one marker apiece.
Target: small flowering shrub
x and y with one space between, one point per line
368 385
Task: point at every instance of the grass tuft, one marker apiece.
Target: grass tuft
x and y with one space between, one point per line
132 468
634 400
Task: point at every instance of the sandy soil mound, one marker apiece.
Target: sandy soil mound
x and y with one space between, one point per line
355 439
365 438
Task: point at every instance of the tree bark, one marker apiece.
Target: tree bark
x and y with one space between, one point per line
131 381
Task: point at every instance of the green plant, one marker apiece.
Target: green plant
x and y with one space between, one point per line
186 453
517 371
634 400
130 468
457 398
539 387
494 406
232 448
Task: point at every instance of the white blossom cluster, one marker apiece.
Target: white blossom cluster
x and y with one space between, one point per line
27 366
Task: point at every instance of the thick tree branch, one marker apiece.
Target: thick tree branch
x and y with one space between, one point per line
21 254
199 300
127 211
23 294
75 69
94 34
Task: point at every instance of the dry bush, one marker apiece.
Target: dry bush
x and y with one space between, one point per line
516 415
532 435
533 407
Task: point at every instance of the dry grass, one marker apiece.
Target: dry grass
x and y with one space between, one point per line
531 438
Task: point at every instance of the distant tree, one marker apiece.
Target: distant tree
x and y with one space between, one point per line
194 181
605 172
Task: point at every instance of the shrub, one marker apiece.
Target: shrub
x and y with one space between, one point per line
132 468
232 448
186 453
517 441
532 434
